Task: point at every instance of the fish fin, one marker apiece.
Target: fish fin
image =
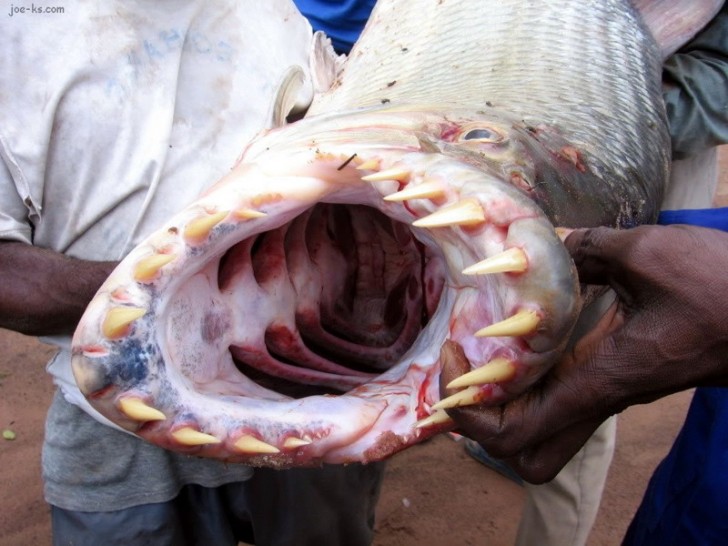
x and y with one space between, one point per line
673 23
294 95
325 63
296 90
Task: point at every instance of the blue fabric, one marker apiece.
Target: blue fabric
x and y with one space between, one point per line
710 218
341 20
686 501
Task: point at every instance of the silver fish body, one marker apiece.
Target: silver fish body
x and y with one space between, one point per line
296 313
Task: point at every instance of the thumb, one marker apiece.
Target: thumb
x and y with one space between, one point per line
596 253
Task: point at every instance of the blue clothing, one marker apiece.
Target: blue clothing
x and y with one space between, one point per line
685 503
341 20
709 218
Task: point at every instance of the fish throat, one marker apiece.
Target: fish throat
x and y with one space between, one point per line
362 293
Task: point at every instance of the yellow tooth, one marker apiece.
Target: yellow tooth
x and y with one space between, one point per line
495 371
250 444
293 443
439 417
136 409
370 165
118 319
520 324
513 260
467 397
190 437
147 268
390 174
467 212
200 228
248 214
426 190
563 232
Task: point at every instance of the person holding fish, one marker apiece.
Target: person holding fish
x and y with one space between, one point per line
562 512
112 115
666 331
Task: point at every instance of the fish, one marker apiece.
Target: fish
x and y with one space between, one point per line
299 312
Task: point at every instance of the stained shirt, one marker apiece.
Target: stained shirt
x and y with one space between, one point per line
113 116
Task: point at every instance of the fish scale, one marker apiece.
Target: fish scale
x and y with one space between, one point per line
588 69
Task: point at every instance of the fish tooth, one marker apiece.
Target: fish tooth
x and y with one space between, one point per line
513 260
147 268
137 409
466 397
520 324
370 165
251 444
426 190
438 417
118 319
199 228
495 371
402 175
293 442
190 437
467 212
248 214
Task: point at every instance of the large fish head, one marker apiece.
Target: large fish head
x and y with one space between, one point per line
298 312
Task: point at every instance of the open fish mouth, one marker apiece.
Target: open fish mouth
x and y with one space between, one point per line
296 312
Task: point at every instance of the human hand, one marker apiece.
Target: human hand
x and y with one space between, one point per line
667 331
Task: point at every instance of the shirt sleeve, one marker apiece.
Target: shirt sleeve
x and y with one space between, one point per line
696 90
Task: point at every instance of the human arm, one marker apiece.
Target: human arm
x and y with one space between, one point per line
667 332
44 292
696 90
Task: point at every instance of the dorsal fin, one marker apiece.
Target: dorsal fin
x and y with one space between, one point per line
674 23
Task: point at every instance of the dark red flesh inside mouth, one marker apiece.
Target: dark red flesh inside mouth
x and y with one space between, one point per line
362 297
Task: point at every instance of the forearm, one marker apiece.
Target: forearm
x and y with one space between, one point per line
43 292
696 90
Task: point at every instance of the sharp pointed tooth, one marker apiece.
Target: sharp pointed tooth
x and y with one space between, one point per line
467 397
118 319
426 190
248 214
136 409
401 175
370 165
513 260
292 442
520 324
190 437
467 212
200 228
250 444
495 371
439 417
563 232
147 268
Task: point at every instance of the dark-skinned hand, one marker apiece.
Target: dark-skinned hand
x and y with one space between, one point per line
666 332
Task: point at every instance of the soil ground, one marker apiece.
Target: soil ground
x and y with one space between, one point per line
433 495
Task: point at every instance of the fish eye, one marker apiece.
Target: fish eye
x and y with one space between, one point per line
482 134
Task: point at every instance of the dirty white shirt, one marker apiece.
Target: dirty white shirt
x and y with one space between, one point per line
113 116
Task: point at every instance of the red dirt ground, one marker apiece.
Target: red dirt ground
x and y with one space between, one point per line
433 495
